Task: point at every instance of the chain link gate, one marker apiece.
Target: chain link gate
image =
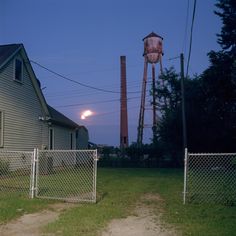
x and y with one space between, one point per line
15 169
68 175
210 178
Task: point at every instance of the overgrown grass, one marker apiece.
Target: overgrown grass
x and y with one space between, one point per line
118 192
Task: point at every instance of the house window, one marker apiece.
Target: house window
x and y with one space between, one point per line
1 128
18 70
71 141
51 139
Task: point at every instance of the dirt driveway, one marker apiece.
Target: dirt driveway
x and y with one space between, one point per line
142 222
31 224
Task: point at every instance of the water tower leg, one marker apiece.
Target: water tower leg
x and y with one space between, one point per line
142 106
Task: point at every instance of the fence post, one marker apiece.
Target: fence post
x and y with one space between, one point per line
36 172
95 159
185 173
32 177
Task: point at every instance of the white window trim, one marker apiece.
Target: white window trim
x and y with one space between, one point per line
14 71
49 141
2 129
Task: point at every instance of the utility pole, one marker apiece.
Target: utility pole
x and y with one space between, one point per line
142 107
183 101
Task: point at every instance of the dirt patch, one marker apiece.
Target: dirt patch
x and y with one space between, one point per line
142 222
152 197
31 224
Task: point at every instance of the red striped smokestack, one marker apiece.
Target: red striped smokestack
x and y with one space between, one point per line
124 142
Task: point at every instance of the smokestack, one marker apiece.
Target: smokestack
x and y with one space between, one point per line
124 142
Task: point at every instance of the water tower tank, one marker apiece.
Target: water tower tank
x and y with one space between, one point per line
153 47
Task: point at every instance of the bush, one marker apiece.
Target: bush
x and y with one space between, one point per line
4 167
114 161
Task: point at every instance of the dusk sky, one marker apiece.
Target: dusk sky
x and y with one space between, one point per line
83 41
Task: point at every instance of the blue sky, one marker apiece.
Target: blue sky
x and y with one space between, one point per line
83 40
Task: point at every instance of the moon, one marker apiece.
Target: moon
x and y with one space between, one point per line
86 114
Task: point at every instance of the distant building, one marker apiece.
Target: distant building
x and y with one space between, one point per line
26 120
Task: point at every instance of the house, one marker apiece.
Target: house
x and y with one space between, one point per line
26 120
82 138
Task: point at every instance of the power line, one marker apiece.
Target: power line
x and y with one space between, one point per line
185 29
73 81
191 37
114 111
98 102
78 93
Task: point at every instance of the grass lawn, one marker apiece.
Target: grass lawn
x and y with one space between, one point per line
13 205
219 187
118 192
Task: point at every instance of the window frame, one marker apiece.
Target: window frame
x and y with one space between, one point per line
51 139
18 80
71 141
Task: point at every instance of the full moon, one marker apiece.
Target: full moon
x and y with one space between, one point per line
85 114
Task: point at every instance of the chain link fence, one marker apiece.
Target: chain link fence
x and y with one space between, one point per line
15 171
68 175
210 178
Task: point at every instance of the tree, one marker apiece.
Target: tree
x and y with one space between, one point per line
227 13
168 95
219 83
210 99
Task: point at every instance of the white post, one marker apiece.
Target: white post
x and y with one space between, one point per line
185 172
36 172
32 178
95 176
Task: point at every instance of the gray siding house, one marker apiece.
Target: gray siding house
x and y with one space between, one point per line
26 120
82 138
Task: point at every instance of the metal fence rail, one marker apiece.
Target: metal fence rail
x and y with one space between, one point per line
69 175
15 169
210 178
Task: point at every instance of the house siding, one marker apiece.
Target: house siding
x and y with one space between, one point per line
22 128
82 138
62 138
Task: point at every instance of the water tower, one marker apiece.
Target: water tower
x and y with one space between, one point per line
152 55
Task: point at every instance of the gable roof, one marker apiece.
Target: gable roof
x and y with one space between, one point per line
7 52
58 118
